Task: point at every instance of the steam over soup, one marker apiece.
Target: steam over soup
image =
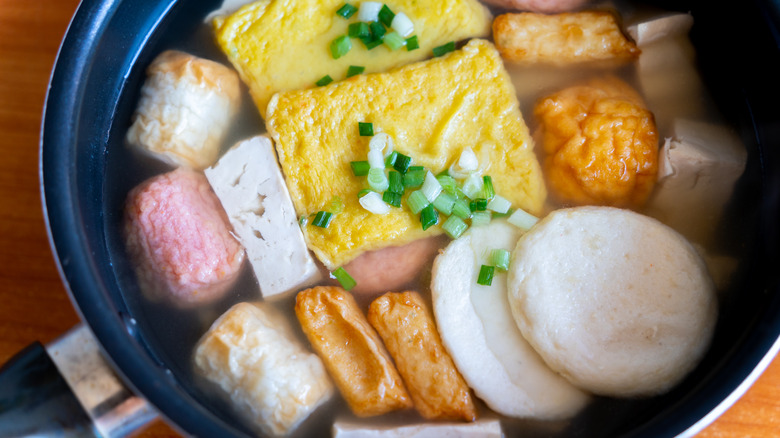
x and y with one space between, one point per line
387 153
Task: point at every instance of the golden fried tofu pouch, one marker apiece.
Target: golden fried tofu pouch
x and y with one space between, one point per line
409 332
600 144
433 110
352 351
562 38
285 45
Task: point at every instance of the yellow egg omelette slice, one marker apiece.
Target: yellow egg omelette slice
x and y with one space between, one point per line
279 45
433 110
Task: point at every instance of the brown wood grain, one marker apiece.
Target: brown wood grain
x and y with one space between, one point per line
34 305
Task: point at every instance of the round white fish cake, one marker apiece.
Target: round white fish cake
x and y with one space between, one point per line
477 329
618 303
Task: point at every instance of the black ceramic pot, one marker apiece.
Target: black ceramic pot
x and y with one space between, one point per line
86 173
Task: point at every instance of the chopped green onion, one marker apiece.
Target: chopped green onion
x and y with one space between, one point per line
414 178
487 187
377 180
444 49
402 163
359 30
395 182
366 129
417 201
480 218
448 183
347 11
394 41
325 80
369 11
322 219
391 198
383 143
355 70
336 205
412 43
371 42
386 15
444 203
431 187
461 209
360 168
375 160
364 192
472 187
303 220
500 258
402 24
428 217
479 204
372 202
522 220
340 46
390 160
499 204
497 215
486 273
454 226
377 30
343 277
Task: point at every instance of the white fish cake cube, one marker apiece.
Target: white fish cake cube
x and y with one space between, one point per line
271 379
251 188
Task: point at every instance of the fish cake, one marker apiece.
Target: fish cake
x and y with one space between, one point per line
187 104
352 351
251 354
284 45
565 38
409 332
433 110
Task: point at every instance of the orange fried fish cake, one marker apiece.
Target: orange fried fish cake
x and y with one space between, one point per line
407 327
600 144
351 350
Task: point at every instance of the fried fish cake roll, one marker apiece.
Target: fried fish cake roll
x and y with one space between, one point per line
352 351
407 327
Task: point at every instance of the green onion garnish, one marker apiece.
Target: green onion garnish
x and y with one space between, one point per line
347 10
394 41
412 43
480 218
522 219
486 273
325 80
500 258
454 226
340 46
371 42
417 201
391 198
386 16
448 183
360 168
322 219
355 70
366 129
377 30
303 220
499 204
395 182
359 30
444 49
472 186
411 168
336 205
487 187
364 192
479 204
402 163
461 209
377 180
444 203
390 160
414 178
428 217
346 280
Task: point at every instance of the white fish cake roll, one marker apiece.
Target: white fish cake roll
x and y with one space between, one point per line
251 188
271 379
186 106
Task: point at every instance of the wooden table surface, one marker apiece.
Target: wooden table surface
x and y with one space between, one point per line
33 302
